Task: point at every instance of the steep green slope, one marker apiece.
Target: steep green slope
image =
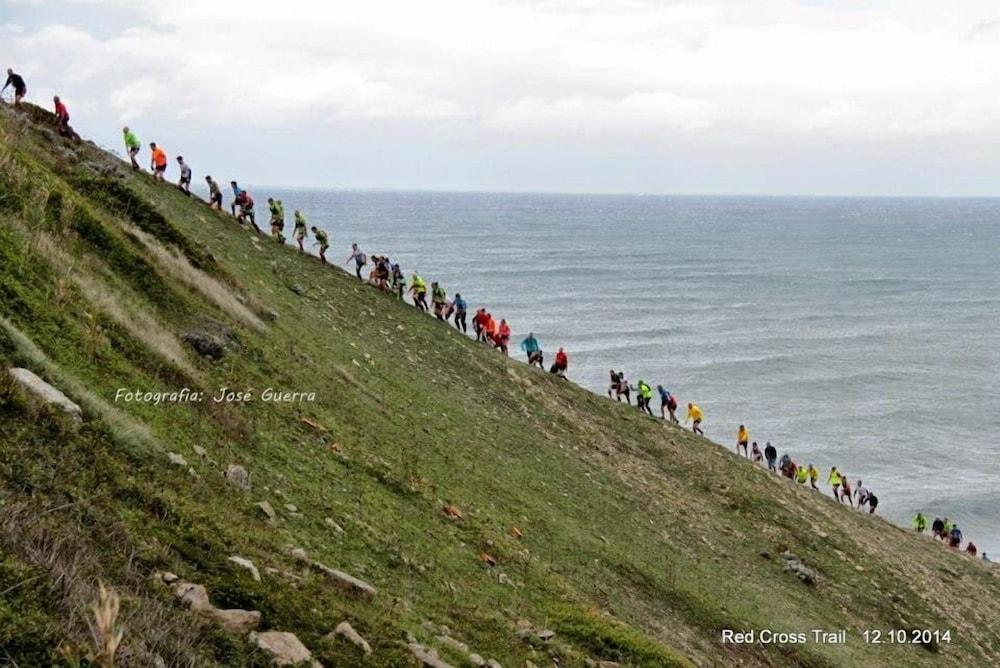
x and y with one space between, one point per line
631 540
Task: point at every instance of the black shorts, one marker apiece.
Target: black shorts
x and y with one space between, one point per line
216 198
20 92
134 150
186 180
159 169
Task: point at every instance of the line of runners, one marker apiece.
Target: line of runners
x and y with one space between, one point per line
389 277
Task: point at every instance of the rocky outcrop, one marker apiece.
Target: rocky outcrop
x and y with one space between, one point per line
234 621
238 476
210 339
346 631
195 596
348 583
266 509
283 648
47 394
428 657
795 566
246 564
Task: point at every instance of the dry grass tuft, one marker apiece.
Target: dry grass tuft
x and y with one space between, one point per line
120 307
123 428
178 267
104 628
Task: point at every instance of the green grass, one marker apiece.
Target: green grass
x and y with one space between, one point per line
640 542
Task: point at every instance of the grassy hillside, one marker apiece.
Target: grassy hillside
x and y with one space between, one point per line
632 541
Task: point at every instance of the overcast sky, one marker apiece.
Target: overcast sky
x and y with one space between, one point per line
640 96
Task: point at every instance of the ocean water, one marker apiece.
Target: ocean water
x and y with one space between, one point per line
861 333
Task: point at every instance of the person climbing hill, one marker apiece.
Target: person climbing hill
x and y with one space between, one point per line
668 403
561 364
62 117
461 308
771 455
742 440
214 193
277 221
360 260
439 298
919 523
299 234
132 146
645 396
835 482
246 211
398 281
184 183
503 336
418 288
322 240
755 453
17 82
479 323
845 491
157 161
533 349
801 475
237 191
696 415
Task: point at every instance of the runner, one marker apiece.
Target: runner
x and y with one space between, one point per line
937 528
479 324
439 298
755 454
132 146
245 202
157 161
645 396
398 281
277 219
771 455
419 290
503 337
533 349
237 191
872 503
214 193
624 389
460 310
919 523
300 230
490 330
835 481
742 440
697 415
322 240
613 387
801 475
561 364
668 402
861 495
62 117
846 491
185 181
971 549
360 260
955 537
813 476
20 88
784 464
